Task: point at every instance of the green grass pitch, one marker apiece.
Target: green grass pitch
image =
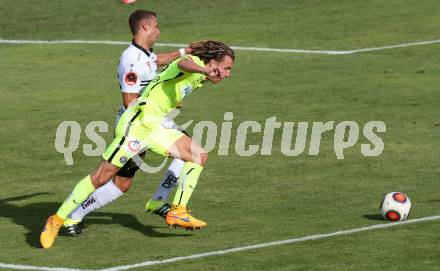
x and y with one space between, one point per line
246 200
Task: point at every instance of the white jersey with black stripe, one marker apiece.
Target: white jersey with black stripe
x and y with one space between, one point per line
136 68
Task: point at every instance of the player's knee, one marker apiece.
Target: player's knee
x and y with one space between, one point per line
103 174
203 157
98 180
123 183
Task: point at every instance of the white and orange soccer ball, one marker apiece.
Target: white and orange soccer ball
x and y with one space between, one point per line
395 206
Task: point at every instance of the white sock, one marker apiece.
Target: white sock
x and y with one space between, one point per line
101 197
169 181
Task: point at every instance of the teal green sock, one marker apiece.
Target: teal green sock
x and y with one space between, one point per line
80 193
187 182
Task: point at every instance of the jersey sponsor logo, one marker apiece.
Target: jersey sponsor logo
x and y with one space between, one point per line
134 145
131 78
185 91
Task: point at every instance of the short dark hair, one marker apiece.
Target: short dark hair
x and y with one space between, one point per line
136 18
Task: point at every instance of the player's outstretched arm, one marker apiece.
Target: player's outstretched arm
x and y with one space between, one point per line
165 58
187 65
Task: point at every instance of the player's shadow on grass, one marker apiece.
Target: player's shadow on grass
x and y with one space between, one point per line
33 216
373 217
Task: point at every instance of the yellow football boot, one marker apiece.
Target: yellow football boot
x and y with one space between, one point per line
50 231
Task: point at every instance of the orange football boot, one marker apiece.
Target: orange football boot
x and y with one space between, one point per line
178 216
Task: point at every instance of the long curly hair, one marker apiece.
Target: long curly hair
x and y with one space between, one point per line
210 49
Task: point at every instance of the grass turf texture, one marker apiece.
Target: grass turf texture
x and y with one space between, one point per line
246 200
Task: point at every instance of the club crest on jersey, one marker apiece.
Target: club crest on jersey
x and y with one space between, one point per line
131 78
134 145
185 91
123 159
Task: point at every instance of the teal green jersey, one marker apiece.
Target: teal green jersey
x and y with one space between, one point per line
170 87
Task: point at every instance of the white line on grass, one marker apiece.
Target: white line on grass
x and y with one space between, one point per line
258 49
231 250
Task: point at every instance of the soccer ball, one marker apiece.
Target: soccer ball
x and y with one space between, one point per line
395 206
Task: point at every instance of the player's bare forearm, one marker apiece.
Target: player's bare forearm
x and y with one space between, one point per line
190 66
127 98
165 58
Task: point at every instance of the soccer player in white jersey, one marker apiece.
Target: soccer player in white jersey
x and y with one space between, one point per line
137 67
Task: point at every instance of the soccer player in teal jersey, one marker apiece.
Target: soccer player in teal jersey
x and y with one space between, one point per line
141 128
